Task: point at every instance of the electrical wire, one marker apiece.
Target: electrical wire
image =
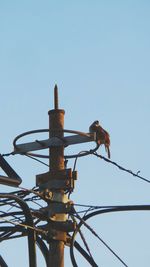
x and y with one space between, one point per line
84 254
83 239
102 209
38 230
82 221
30 191
38 160
121 168
92 152
8 235
13 214
8 154
80 154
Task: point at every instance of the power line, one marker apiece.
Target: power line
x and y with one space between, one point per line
85 153
40 161
121 168
38 230
84 240
95 234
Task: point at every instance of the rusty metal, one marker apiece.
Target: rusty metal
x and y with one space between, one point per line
54 180
58 208
53 185
56 124
67 226
79 137
57 249
53 175
56 162
56 97
58 185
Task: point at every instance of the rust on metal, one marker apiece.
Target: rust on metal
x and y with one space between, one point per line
56 163
56 125
52 175
56 97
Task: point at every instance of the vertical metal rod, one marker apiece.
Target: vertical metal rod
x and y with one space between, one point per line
56 97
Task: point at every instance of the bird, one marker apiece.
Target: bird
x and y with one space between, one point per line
102 136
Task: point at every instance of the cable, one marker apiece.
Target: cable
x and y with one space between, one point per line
103 211
83 239
122 168
13 214
21 194
84 153
40 161
84 254
2 262
42 246
29 222
38 230
90 208
82 221
31 191
104 243
8 154
80 154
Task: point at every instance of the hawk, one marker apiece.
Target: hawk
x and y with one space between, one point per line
102 136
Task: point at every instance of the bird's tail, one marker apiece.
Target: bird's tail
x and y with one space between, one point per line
107 150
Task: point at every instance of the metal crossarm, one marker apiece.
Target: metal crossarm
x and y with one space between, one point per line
13 179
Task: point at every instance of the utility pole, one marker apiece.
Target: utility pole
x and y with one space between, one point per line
54 183
56 162
58 182
53 187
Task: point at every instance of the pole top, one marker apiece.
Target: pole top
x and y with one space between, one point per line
56 97
56 109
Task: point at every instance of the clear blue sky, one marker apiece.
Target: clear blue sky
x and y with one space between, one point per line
98 54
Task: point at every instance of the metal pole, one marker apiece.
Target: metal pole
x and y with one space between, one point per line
56 125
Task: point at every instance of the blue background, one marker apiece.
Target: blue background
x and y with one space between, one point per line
98 54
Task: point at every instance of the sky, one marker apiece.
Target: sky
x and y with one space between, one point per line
97 52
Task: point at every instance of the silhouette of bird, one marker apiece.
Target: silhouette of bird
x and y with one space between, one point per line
102 136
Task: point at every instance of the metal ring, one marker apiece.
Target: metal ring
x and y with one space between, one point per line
27 133
47 130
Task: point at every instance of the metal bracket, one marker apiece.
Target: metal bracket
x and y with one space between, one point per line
53 142
58 184
13 178
58 208
58 235
55 180
58 230
67 226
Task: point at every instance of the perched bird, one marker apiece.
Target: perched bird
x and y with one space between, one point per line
102 136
